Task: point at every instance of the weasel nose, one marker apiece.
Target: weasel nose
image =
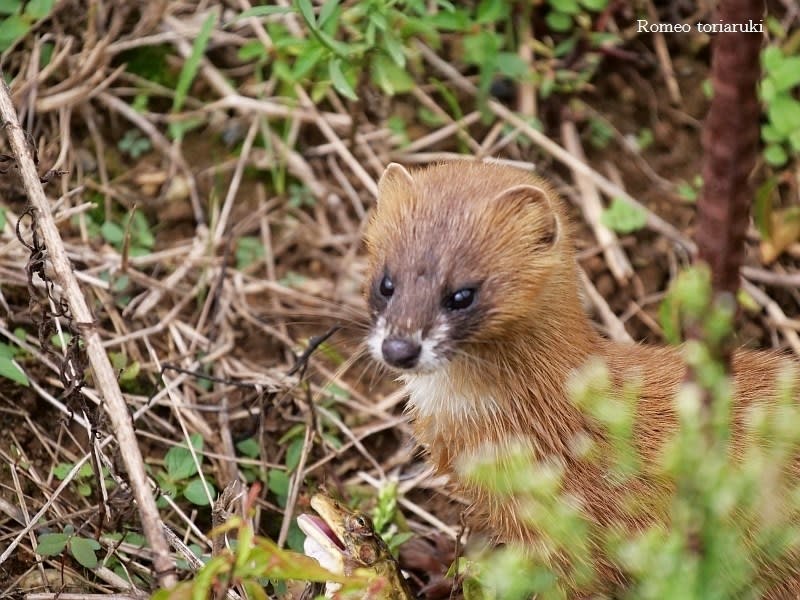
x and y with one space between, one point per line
400 352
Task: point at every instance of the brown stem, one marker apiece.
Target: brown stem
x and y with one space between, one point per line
730 143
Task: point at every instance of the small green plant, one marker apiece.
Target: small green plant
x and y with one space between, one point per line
565 14
689 190
134 144
600 133
128 372
180 475
17 18
9 368
249 251
623 217
80 548
83 479
178 129
644 139
343 42
385 516
133 224
300 196
781 81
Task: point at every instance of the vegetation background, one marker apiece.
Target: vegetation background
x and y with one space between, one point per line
218 161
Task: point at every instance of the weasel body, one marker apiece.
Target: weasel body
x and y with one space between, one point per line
473 297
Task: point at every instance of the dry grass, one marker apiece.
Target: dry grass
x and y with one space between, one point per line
216 342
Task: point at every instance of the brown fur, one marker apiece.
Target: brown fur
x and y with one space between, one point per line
452 223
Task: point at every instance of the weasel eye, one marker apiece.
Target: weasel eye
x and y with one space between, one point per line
386 287
460 300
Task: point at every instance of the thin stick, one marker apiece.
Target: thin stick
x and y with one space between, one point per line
104 375
592 209
615 327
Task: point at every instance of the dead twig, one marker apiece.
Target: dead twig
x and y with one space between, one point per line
104 375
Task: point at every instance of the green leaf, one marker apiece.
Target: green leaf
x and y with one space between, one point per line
794 140
11 29
389 77
768 134
394 48
39 9
784 114
623 217
334 441
481 48
249 250
340 49
2 218
398 539
295 538
292 432
130 372
278 483
83 549
192 63
787 74
775 155
340 82
308 60
687 192
565 47
51 544
451 20
511 65
569 7
11 371
252 50
378 21
7 351
179 463
307 11
327 11
594 5
767 90
135 539
293 453
10 7
249 447
771 58
558 21
264 11
112 233
118 360
195 492
491 11
61 470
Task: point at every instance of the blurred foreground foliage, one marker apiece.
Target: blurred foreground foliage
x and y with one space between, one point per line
729 512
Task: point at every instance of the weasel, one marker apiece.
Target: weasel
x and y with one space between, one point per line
474 302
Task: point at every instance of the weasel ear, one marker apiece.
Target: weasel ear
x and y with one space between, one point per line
395 176
526 195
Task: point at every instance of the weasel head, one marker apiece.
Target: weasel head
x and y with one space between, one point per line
460 255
